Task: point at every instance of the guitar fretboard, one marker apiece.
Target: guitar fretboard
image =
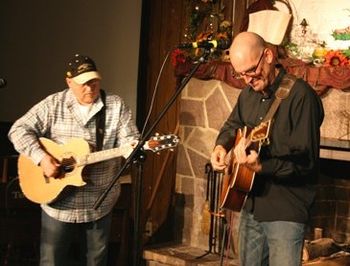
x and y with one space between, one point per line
100 156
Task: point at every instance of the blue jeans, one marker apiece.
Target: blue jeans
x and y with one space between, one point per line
277 243
57 237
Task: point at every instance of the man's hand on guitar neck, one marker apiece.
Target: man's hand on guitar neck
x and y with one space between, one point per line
250 160
50 166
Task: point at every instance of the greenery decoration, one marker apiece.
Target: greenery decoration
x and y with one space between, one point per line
204 22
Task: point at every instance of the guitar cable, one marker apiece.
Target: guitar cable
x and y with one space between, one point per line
154 94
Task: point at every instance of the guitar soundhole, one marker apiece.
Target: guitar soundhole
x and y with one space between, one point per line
68 164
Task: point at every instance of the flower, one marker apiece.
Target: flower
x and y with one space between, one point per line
178 57
335 58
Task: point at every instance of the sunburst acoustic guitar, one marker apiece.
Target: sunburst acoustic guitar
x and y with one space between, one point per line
73 157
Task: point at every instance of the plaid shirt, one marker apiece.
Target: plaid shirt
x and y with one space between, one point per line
59 118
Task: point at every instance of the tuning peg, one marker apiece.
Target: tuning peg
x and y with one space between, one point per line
157 136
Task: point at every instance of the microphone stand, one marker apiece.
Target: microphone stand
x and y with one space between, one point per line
138 156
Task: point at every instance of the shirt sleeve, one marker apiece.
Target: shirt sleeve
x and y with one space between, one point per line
25 132
228 132
127 130
295 153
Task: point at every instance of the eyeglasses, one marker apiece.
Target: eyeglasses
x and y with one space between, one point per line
252 71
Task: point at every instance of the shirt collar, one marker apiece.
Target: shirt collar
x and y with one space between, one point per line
276 83
73 104
72 100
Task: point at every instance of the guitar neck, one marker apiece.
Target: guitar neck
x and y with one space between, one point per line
104 155
155 144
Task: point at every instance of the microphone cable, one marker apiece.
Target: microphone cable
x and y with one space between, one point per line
154 94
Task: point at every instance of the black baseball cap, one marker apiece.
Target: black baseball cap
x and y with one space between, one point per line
81 69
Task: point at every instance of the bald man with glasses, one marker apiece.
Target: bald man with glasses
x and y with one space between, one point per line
275 213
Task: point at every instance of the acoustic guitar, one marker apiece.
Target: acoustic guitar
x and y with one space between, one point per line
238 179
73 157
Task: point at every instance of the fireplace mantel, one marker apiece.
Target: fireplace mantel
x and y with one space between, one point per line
321 78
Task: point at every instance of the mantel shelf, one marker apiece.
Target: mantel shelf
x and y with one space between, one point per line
321 78
335 149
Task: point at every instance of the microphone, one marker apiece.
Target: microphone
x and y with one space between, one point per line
3 82
220 44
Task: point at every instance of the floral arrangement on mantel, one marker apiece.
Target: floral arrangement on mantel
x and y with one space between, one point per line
309 49
320 55
205 22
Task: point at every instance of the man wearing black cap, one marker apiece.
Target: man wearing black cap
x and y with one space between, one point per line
74 113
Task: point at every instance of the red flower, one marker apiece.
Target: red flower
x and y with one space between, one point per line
335 58
178 57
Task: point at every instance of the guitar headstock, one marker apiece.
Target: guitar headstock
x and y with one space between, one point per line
158 143
260 132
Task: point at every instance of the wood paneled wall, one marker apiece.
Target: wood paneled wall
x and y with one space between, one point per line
163 24
161 31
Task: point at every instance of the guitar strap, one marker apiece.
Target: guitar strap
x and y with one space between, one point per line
100 122
281 93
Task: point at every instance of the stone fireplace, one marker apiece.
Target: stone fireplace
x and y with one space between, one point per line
205 104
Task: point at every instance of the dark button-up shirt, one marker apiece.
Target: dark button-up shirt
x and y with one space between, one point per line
283 190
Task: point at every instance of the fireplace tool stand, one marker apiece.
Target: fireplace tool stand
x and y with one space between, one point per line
217 233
